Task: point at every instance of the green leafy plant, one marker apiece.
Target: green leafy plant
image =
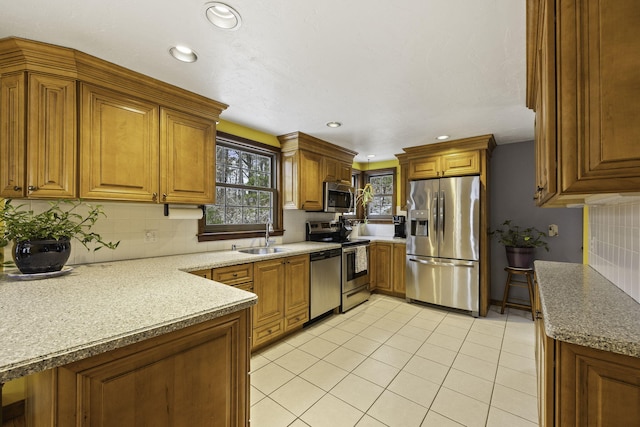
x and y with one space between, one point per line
61 219
515 236
363 197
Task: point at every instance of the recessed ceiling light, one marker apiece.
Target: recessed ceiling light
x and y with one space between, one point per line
334 124
371 156
223 16
183 53
442 137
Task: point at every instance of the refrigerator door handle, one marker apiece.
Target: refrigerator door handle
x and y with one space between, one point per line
442 212
435 215
440 263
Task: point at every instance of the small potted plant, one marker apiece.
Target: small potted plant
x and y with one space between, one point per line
520 243
42 241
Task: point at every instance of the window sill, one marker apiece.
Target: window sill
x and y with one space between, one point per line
230 235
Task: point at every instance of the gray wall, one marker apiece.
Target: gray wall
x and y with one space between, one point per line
511 187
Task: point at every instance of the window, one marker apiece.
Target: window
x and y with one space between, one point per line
383 183
246 190
382 203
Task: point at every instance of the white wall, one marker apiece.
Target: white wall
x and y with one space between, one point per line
614 244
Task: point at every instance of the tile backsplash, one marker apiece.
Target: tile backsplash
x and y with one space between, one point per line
135 224
614 244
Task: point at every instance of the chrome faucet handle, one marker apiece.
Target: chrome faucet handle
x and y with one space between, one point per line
268 230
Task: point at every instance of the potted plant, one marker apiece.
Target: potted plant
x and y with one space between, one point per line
42 241
520 243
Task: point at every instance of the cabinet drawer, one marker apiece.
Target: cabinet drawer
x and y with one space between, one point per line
268 332
248 286
202 273
295 320
234 274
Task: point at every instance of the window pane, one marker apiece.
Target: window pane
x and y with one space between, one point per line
239 170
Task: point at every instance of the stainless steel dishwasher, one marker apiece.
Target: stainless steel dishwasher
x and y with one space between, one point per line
325 283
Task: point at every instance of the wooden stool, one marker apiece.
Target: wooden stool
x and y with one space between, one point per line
528 273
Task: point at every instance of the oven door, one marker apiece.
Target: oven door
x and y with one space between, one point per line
355 267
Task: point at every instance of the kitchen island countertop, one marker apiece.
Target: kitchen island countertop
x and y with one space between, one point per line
100 307
582 307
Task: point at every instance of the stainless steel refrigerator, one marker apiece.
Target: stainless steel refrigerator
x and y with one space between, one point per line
443 247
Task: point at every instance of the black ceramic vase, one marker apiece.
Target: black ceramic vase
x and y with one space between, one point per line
520 257
41 256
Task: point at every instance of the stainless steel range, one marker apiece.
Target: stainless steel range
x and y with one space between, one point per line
354 283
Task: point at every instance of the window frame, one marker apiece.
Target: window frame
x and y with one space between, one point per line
245 231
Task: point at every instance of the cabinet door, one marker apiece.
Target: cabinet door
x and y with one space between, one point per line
383 260
187 153
51 137
545 122
466 163
119 146
399 262
598 57
296 296
310 176
13 105
425 167
603 387
268 284
545 362
335 170
177 379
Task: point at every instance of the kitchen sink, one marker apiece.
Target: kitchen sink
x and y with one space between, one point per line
262 251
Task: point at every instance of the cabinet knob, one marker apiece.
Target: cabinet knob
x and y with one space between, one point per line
164 196
32 188
235 274
17 188
154 196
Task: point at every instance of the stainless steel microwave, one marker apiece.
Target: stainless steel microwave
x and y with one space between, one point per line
338 197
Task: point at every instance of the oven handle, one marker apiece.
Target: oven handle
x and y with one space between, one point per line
446 264
352 249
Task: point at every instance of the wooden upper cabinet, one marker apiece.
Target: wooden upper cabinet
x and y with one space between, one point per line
311 168
187 156
306 163
38 136
119 152
454 164
122 148
585 89
336 170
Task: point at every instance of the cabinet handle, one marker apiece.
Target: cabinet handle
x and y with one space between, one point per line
17 188
538 315
164 196
154 196
32 188
235 274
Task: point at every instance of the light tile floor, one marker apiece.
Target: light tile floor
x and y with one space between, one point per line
390 363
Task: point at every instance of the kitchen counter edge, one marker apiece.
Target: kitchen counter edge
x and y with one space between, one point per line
104 306
582 307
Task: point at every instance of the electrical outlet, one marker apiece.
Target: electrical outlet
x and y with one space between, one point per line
150 235
553 230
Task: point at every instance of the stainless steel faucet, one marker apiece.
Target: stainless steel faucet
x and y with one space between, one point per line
266 233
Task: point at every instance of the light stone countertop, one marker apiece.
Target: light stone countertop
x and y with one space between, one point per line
103 306
581 307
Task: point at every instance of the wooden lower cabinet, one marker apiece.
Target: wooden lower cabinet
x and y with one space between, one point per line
582 386
282 286
196 376
387 268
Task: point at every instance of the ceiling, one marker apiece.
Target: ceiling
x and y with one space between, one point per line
396 74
